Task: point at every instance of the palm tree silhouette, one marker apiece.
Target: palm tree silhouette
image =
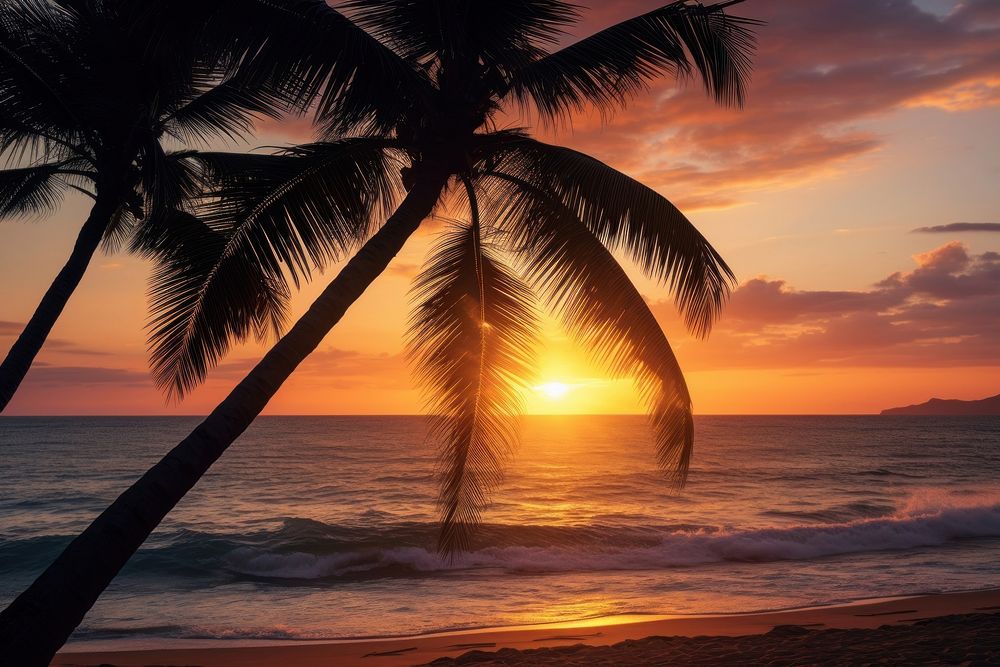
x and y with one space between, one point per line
88 103
447 71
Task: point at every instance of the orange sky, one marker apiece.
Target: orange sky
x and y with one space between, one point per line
868 119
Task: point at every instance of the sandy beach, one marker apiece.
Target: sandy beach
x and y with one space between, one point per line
952 628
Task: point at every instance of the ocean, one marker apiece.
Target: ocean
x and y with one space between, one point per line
324 527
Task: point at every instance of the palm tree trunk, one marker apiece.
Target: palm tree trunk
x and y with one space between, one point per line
21 355
40 620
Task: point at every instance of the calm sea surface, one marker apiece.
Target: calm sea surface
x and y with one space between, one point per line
323 527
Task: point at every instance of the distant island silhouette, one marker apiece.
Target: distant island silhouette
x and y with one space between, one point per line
940 406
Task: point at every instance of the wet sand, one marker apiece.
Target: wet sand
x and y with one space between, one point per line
953 628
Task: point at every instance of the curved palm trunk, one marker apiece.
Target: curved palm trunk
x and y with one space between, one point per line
21 355
40 620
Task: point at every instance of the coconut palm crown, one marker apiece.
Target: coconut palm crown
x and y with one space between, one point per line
541 222
91 101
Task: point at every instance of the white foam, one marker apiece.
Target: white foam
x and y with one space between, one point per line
924 520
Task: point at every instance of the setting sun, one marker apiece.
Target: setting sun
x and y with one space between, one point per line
553 390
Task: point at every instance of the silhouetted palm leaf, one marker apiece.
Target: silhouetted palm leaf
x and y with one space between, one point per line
278 216
170 179
308 51
30 190
609 67
224 109
625 214
29 85
499 34
587 288
187 252
472 339
79 80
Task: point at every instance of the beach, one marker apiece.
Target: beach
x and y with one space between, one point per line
949 628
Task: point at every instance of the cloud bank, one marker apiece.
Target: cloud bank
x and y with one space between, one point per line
960 227
944 312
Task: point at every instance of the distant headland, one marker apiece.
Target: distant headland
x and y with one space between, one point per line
940 406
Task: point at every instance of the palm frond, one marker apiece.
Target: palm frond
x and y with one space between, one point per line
472 341
121 227
22 143
609 67
31 94
227 109
309 203
187 253
499 34
311 54
278 215
30 190
627 215
33 49
591 293
170 180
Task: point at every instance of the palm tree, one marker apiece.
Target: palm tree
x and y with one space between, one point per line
88 103
447 73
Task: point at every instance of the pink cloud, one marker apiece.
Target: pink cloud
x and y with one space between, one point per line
823 66
943 312
9 331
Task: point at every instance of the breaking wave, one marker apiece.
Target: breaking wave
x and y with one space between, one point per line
302 551
589 549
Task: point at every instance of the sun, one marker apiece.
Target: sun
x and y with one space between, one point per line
553 390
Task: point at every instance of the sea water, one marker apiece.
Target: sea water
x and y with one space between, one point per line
324 527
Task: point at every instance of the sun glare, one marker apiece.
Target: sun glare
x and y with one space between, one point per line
553 390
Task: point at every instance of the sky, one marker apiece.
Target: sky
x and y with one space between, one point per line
856 196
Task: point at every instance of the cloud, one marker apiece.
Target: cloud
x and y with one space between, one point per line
42 374
941 313
960 227
407 270
13 329
325 370
822 68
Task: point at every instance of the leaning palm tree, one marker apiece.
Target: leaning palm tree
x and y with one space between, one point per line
88 103
540 220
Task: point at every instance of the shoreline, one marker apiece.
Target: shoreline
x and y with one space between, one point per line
160 644
599 631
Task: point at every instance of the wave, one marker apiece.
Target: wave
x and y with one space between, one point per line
304 552
679 549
